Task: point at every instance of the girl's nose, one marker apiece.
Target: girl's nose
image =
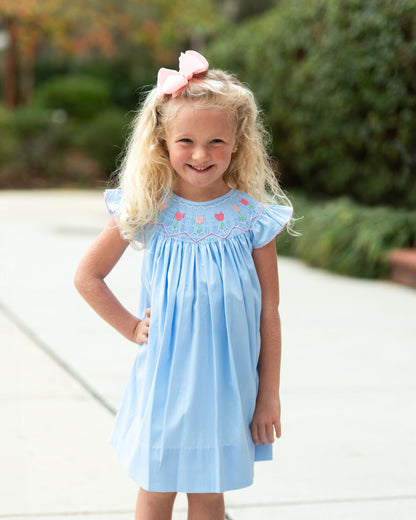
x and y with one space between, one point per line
200 153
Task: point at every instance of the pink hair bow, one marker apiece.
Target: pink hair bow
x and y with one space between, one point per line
172 82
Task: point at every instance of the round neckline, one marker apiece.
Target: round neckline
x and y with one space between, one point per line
207 202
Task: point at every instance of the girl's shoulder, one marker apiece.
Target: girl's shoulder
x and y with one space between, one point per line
113 199
267 221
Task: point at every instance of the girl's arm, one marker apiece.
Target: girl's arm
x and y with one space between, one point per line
96 264
266 415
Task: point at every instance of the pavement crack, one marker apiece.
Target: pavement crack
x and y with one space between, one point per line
341 500
67 514
34 338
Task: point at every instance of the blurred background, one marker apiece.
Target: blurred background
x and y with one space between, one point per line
336 81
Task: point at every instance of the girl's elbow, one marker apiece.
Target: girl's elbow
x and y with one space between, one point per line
78 280
81 280
86 281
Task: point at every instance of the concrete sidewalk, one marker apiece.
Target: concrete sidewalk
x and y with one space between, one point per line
348 449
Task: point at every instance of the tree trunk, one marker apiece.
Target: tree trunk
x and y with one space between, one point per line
11 65
28 72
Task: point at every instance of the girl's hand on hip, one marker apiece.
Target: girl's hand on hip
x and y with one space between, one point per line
141 333
265 424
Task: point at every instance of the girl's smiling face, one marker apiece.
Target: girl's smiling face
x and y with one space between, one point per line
200 143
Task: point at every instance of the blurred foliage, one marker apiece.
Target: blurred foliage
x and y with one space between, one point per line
102 137
34 144
337 81
79 96
123 74
346 237
9 139
168 24
43 148
98 27
75 28
70 135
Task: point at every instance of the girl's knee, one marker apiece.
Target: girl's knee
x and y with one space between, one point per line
157 497
205 498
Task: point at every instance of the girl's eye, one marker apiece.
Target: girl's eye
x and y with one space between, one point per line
185 140
216 141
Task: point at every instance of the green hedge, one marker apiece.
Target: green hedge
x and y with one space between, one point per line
80 96
337 81
346 237
44 148
102 137
34 143
9 140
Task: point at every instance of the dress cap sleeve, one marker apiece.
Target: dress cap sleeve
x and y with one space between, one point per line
113 200
269 224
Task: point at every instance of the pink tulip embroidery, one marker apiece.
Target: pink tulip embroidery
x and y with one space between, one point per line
237 209
246 203
220 218
161 207
178 217
199 221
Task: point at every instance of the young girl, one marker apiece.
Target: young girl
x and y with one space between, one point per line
202 401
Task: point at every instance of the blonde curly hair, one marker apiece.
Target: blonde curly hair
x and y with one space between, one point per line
146 176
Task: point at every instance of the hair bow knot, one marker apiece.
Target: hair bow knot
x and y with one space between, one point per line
172 82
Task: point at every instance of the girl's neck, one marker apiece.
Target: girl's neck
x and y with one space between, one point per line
200 194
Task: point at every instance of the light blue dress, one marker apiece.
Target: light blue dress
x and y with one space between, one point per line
184 420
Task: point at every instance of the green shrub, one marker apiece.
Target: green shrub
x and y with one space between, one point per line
8 141
123 73
101 137
80 97
42 153
39 139
34 148
348 238
338 83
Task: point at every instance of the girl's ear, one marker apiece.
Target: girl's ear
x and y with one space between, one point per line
164 146
236 142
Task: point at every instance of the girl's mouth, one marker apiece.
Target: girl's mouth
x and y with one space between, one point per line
200 169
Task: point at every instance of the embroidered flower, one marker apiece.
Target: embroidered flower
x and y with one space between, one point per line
199 221
162 207
178 217
220 217
246 203
237 209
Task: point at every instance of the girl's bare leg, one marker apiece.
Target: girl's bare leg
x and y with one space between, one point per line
154 506
206 506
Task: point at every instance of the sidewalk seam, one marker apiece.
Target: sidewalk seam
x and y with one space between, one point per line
341 500
34 338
